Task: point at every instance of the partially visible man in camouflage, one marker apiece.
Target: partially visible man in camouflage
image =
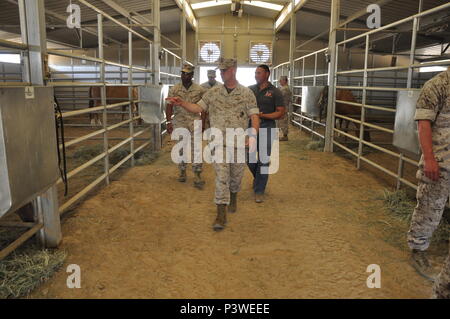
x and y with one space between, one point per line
283 123
433 116
229 106
189 91
441 288
212 82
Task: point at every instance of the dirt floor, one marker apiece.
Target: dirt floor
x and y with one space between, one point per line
322 224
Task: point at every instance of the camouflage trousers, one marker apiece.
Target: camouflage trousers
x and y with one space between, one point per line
228 178
283 124
196 167
431 199
441 288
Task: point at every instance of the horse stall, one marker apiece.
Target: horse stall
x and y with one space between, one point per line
374 77
92 102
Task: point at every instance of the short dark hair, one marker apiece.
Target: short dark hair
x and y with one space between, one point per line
265 67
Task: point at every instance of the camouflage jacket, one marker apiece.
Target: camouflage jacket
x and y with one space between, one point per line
434 105
183 118
207 86
229 110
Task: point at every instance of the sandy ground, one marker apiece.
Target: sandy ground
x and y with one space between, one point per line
149 236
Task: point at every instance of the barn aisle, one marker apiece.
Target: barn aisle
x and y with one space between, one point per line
148 236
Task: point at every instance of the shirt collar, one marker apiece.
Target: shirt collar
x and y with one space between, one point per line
187 90
236 90
268 87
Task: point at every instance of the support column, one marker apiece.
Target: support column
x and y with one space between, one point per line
156 130
332 50
196 49
103 96
183 36
130 94
32 23
292 42
156 46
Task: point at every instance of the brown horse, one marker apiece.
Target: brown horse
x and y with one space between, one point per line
342 109
114 94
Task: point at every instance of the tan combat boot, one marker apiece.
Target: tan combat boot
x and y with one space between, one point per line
221 218
233 203
421 264
182 177
198 182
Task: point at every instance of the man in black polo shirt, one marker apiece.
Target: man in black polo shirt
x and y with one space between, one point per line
271 108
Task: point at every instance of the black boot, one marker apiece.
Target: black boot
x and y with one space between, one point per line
221 218
198 181
182 177
233 203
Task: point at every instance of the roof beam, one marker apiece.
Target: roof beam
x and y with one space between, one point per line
62 18
287 15
351 18
136 18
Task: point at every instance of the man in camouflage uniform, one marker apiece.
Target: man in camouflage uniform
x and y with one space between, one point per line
188 91
208 85
283 123
441 288
229 106
211 80
433 116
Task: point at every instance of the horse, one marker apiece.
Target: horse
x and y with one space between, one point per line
342 109
113 93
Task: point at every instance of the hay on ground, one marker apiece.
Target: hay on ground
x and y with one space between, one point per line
401 206
27 267
315 145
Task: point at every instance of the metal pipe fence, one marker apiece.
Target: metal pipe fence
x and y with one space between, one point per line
71 87
375 89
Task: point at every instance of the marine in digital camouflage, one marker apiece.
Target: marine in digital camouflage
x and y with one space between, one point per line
228 179
228 110
433 105
185 119
441 288
431 199
181 117
206 85
283 123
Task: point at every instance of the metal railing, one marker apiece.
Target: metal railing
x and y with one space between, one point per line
376 91
366 73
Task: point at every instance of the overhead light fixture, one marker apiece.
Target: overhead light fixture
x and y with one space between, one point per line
209 4
263 4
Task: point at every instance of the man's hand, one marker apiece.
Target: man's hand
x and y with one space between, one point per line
174 100
261 115
251 144
431 169
169 128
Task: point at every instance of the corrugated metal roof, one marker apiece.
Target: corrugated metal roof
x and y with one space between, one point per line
312 19
10 21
